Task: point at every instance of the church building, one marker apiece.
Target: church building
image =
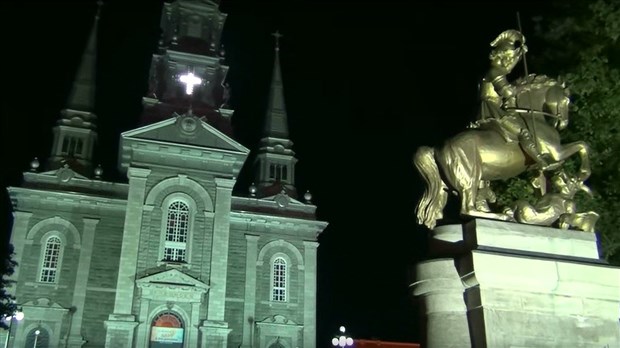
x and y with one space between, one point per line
171 258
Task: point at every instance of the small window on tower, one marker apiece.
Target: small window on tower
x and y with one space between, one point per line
194 26
278 172
65 145
72 142
78 147
72 146
284 173
272 171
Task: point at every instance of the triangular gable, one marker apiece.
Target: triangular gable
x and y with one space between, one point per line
277 320
292 200
44 302
171 131
53 173
172 277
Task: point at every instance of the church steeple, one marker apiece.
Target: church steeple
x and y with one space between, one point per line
275 161
82 95
75 133
276 125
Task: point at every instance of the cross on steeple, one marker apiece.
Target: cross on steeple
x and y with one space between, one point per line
190 80
277 35
99 6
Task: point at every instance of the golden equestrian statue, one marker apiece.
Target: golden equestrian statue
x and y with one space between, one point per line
516 131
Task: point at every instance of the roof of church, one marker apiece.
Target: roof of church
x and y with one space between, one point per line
270 206
69 181
163 111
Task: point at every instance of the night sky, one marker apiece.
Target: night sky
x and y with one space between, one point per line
365 85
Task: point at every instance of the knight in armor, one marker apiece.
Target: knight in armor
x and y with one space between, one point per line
498 95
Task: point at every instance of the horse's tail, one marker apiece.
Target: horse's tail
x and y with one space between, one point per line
430 207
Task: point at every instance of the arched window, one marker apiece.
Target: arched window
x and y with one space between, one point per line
277 344
177 228
278 172
72 146
51 260
37 338
194 26
278 276
167 331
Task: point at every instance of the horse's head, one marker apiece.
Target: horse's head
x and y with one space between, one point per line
548 96
557 101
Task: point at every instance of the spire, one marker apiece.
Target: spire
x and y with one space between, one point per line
276 123
82 95
276 158
75 133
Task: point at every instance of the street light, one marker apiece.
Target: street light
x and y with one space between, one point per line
36 338
17 315
342 340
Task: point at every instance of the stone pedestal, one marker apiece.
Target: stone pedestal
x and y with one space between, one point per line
120 331
517 286
442 291
214 334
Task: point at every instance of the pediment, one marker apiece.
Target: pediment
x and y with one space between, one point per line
278 197
172 278
64 172
278 320
185 130
45 303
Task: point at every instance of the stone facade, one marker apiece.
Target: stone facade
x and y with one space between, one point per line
172 255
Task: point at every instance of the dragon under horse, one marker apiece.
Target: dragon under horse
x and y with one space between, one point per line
517 131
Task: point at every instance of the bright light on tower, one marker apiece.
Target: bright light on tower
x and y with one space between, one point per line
190 80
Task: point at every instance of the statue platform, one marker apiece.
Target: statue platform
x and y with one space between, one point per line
497 284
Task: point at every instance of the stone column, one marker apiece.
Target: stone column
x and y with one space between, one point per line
219 251
194 325
119 333
81 281
142 330
214 334
441 290
250 290
310 294
21 220
120 325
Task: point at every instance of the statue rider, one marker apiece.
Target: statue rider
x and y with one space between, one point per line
498 95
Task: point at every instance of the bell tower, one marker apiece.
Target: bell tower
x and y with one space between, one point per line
75 133
275 160
190 43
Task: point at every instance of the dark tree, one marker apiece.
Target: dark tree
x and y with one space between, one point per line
578 40
7 266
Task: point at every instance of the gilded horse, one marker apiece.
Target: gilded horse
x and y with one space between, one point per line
493 150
